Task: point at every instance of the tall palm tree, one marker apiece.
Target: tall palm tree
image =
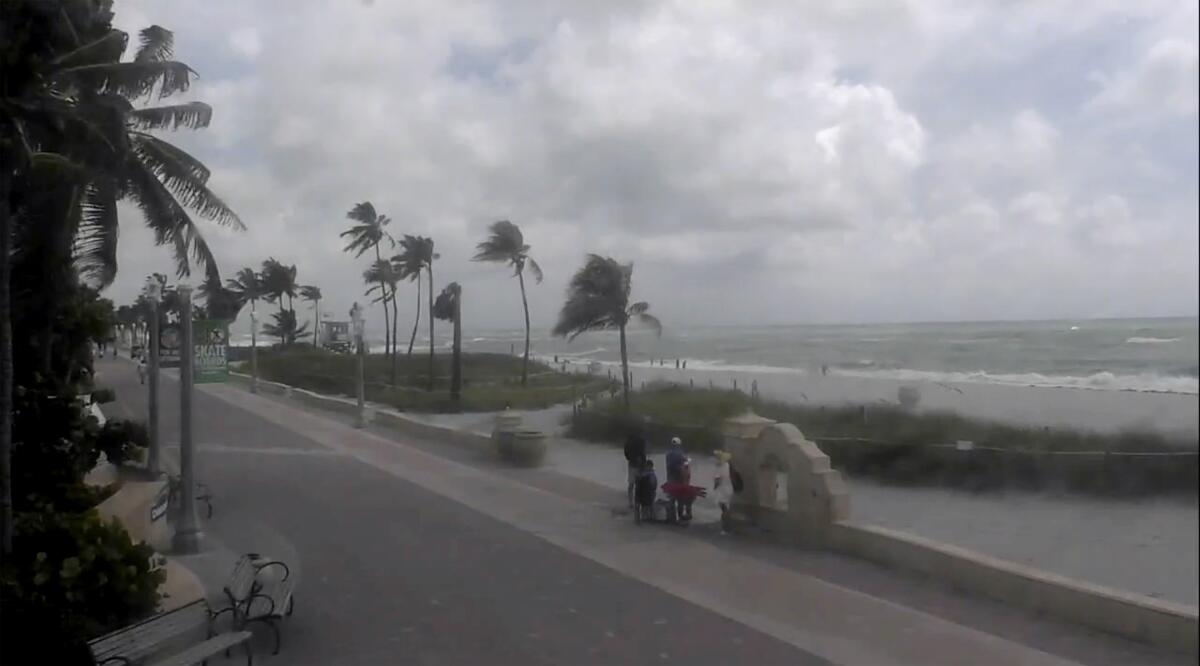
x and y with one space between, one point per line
286 328
246 285
219 302
410 264
598 299
68 124
278 282
368 234
383 277
448 307
506 244
313 295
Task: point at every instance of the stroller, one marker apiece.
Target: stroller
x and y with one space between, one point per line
675 508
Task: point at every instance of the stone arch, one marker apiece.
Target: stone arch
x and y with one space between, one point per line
813 495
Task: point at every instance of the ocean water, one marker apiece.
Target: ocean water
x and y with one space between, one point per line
1149 355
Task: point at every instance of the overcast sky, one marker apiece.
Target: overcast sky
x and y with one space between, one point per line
758 162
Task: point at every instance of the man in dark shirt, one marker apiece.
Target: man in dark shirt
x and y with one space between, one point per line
635 455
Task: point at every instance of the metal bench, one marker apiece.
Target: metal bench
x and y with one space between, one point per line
180 637
260 590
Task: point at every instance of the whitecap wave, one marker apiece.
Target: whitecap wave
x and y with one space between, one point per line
1137 340
1100 381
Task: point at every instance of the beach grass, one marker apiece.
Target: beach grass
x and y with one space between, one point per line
889 442
491 382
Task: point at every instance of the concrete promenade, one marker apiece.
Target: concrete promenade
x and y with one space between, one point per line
410 551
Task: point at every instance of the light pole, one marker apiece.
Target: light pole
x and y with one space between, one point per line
154 294
187 532
356 317
253 348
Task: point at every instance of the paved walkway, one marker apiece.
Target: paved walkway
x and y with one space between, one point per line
412 552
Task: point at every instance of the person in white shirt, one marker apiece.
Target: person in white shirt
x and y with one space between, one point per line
722 487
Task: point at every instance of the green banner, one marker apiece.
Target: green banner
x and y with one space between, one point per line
211 341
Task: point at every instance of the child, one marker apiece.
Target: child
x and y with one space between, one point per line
647 488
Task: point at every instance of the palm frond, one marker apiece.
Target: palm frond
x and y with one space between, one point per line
310 293
106 48
168 220
639 308
184 158
132 80
179 177
534 268
363 213
596 298
651 322
192 115
95 250
156 44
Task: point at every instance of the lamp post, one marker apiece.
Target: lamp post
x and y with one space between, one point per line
187 533
356 318
253 348
154 294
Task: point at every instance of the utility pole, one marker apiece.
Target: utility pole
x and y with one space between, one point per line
253 348
188 536
154 293
356 317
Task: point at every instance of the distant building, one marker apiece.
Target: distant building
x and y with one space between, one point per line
335 336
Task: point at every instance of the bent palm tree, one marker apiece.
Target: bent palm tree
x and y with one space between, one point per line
366 235
68 128
409 264
285 328
383 277
598 299
279 281
313 295
506 244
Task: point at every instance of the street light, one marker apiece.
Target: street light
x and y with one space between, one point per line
187 533
253 348
154 295
360 326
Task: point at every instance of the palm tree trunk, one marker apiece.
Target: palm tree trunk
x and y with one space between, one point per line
417 319
316 321
456 366
6 371
430 268
388 342
524 304
624 367
395 336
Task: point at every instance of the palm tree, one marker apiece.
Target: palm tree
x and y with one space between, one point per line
279 281
219 302
68 126
382 275
247 286
313 295
507 245
448 307
598 299
366 235
409 264
285 328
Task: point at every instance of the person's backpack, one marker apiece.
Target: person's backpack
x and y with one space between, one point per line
735 479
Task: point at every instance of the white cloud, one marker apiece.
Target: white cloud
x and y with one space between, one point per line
731 151
1166 80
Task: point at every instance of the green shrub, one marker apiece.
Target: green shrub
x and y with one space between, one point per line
71 577
121 441
102 396
54 447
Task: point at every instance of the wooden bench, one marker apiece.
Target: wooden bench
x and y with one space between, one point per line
181 637
260 590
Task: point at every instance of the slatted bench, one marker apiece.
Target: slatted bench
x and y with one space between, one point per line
260 590
181 637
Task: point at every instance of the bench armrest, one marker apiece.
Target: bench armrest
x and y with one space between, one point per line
259 566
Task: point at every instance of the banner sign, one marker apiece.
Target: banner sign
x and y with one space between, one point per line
170 343
211 338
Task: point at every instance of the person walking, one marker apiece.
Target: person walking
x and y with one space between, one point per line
635 457
141 368
676 461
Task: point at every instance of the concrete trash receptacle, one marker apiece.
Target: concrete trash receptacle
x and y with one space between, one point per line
523 447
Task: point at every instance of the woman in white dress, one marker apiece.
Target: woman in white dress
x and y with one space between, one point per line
722 492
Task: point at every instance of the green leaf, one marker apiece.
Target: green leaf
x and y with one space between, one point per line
70 568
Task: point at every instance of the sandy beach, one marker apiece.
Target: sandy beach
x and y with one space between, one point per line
1174 414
